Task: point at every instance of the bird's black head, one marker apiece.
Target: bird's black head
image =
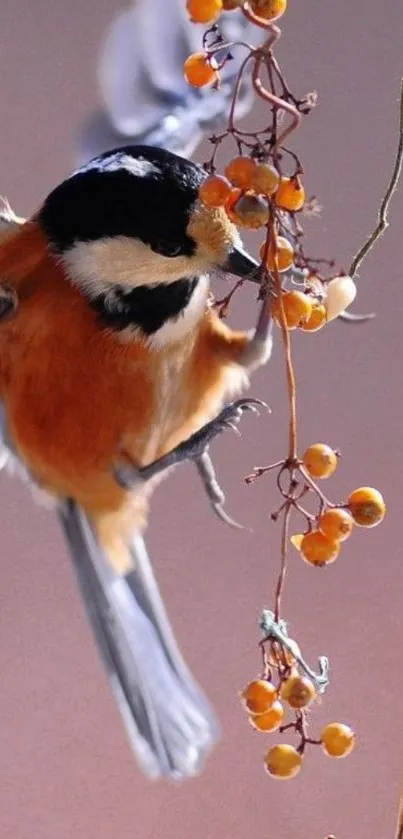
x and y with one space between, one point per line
131 219
138 192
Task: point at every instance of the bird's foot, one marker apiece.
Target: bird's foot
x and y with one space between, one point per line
195 449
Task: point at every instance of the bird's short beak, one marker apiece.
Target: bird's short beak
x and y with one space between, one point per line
241 264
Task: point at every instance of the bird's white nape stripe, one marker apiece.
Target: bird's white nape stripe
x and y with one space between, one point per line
138 166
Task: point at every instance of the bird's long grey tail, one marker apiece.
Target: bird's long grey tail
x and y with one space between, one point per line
169 722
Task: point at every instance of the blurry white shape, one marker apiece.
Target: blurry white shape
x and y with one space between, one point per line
4 456
136 166
341 292
140 74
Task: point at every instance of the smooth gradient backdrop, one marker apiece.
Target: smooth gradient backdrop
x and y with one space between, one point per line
65 767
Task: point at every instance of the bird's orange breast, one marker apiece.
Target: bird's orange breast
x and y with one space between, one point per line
75 393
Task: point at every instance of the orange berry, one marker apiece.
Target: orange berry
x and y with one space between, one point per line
284 254
240 171
204 11
320 460
214 191
338 740
198 70
268 9
270 720
298 691
265 178
290 194
283 761
297 308
316 320
318 549
336 524
366 506
251 210
259 696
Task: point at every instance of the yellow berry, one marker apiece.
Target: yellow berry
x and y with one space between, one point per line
290 194
270 720
298 691
340 292
283 761
296 540
259 696
268 9
283 253
318 549
214 191
204 11
240 171
316 320
265 178
198 70
336 524
297 308
251 211
366 506
320 460
338 740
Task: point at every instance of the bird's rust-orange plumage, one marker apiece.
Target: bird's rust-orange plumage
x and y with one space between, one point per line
77 395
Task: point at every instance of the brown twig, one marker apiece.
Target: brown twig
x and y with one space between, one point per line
383 223
292 439
283 563
280 104
399 826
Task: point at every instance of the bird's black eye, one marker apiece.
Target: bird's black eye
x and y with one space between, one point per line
166 248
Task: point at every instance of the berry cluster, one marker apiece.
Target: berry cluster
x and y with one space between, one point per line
262 701
262 187
319 545
255 191
333 524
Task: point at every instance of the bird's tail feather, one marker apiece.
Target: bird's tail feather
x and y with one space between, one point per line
169 722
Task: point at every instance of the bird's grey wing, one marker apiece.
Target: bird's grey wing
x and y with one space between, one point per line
145 96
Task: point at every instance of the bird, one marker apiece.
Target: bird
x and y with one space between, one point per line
115 367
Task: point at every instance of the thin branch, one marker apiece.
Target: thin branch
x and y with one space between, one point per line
351 317
283 565
384 207
241 71
276 102
399 826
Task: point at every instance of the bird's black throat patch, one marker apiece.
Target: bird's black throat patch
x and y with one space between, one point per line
146 307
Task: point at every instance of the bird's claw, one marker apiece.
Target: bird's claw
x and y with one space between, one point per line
195 449
220 512
229 417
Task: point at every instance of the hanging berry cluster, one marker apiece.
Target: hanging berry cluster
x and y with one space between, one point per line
262 187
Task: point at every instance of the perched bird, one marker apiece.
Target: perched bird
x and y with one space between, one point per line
113 366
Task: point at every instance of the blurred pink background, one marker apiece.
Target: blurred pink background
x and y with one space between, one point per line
65 767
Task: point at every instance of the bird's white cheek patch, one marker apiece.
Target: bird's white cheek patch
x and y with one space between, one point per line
125 261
